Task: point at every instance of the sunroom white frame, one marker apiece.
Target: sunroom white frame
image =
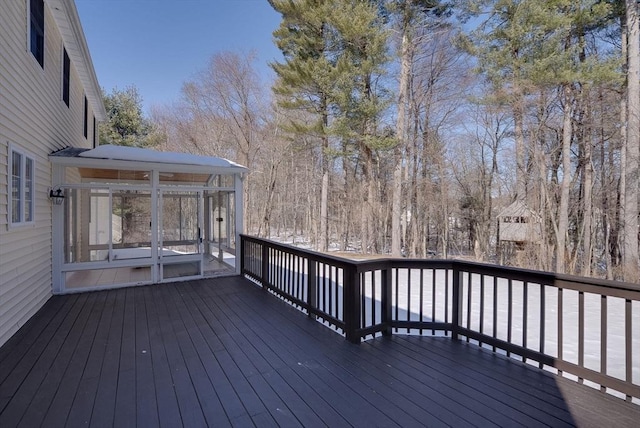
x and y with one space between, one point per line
157 163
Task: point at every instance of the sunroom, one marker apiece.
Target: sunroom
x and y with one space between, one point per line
127 216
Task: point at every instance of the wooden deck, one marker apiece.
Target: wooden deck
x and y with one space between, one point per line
221 352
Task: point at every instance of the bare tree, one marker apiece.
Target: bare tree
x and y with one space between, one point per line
439 85
476 170
221 113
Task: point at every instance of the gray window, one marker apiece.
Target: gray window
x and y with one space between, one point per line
66 71
36 29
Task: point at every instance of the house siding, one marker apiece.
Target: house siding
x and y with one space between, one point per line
33 118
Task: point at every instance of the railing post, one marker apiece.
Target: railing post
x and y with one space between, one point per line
351 306
387 312
265 265
312 286
457 301
242 254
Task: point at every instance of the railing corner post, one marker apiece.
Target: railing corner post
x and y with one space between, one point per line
387 312
457 302
351 307
243 254
312 286
265 266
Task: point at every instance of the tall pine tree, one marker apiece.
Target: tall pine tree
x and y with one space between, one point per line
527 46
126 125
334 54
306 79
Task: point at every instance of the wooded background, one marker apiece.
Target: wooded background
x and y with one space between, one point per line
407 127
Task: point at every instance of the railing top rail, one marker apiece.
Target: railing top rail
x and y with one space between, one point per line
549 278
360 265
313 255
506 272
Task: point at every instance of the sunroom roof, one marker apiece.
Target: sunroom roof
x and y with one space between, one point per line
152 158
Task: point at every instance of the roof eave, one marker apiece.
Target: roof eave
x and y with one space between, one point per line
82 162
66 16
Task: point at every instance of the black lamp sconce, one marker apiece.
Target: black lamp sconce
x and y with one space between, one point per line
57 195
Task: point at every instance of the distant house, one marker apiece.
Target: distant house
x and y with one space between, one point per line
49 99
75 216
518 225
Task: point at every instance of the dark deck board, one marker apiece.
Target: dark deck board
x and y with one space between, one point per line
33 331
470 387
405 412
510 391
222 352
322 379
76 407
465 389
166 400
73 362
102 380
28 375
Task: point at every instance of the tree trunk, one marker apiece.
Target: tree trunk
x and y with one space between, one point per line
563 210
606 190
587 201
324 191
518 126
368 203
617 238
444 234
346 203
265 224
401 133
630 258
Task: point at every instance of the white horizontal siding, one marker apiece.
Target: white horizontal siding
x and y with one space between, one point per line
32 117
3 184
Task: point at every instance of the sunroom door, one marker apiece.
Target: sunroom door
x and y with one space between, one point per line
180 234
219 232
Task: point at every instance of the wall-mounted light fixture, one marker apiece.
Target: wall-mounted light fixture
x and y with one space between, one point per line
57 195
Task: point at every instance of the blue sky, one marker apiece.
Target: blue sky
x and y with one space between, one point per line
156 45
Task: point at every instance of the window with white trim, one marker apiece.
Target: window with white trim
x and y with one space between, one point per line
22 195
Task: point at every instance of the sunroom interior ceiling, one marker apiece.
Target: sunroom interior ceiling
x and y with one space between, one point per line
134 175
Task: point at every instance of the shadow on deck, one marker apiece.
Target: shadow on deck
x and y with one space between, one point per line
222 352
